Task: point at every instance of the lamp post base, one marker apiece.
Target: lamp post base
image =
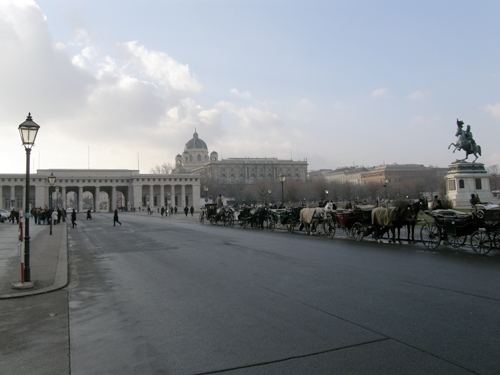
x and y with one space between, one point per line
21 285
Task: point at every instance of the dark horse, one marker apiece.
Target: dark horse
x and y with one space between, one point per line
385 219
411 219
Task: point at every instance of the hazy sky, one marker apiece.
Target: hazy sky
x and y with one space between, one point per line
334 82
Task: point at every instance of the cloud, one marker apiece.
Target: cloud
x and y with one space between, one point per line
378 93
251 117
244 95
419 95
162 68
493 110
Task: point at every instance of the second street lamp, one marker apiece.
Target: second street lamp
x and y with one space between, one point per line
282 178
52 180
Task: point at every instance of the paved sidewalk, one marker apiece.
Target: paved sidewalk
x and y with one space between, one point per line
48 259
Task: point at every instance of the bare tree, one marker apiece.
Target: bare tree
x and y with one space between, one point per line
165 168
493 171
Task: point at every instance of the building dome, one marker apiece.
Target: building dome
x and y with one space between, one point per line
196 143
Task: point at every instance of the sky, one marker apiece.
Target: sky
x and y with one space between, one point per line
122 84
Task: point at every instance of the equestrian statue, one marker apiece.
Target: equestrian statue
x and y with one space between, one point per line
465 142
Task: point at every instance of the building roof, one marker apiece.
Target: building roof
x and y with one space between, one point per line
195 143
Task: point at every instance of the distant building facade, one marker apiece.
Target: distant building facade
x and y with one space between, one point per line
196 159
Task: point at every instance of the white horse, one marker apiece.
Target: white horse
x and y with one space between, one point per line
313 217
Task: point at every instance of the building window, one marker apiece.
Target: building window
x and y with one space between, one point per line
232 179
242 178
252 178
478 184
452 185
223 178
461 184
199 157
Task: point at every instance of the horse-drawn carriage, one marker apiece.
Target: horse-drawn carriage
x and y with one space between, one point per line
217 216
482 226
256 217
208 212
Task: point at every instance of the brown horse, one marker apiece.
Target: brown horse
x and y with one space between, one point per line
385 219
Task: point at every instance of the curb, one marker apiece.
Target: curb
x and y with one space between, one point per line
61 277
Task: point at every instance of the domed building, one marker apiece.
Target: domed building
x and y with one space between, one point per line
196 159
195 155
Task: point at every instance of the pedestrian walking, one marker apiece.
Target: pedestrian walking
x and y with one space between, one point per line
54 217
73 219
191 210
115 218
186 210
89 214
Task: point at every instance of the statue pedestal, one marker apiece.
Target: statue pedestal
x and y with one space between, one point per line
464 179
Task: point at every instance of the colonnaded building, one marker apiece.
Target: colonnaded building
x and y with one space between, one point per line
196 159
115 188
103 190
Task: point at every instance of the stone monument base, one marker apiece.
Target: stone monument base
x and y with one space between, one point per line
464 179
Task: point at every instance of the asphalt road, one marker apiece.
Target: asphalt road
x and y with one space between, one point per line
158 296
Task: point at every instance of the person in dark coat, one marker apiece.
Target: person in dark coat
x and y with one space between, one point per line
191 210
186 210
73 219
115 218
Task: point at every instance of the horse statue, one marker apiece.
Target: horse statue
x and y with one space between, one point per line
465 142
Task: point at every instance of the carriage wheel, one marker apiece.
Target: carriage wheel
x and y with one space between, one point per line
456 241
290 226
271 225
202 217
357 231
496 238
480 242
430 235
329 228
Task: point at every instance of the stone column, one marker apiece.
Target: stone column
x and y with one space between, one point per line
97 200
183 196
113 199
172 195
151 197
161 203
12 196
80 199
63 197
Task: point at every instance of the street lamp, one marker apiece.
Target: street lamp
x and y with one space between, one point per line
206 192
269 195
326 192
282 179
52 180
28 131
385 185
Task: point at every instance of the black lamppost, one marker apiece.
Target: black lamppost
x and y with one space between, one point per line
326 192
385 185
282 179
206 192
269 195
28 131
52 180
